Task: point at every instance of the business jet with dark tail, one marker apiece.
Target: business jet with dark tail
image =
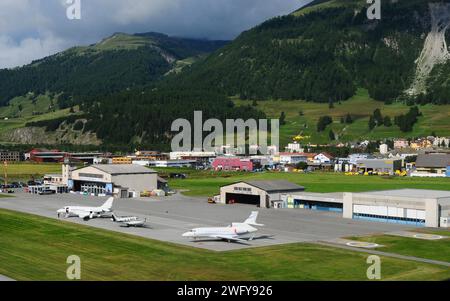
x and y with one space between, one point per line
236 232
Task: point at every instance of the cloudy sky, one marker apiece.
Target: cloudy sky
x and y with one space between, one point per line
32 29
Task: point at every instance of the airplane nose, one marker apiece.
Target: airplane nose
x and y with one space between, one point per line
188 234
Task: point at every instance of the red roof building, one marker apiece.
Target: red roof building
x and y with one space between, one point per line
225 163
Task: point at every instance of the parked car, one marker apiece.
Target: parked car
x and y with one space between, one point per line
47 192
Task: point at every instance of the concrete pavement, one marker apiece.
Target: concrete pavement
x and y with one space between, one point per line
168 218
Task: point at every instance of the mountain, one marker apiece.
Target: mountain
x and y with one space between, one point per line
326 50
126 90
100 95
119 62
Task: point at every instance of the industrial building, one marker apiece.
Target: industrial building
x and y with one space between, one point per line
122 160
313 201
379 165
432 165
121 180
418 207
10 156
42 155
232 163
203 157
167 163
264 194
430 208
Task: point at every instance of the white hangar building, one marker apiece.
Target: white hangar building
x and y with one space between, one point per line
416 207
119 179
430 208
264 194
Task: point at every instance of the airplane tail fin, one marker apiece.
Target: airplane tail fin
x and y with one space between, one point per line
251 220
108 204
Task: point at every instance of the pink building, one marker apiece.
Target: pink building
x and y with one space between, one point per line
232 164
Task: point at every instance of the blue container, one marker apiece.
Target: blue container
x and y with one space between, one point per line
448 171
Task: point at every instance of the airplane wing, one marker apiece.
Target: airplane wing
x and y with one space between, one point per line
81 214
229 237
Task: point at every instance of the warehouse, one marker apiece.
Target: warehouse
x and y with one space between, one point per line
314 201
417 207
432 165
264 194
121 180
379 165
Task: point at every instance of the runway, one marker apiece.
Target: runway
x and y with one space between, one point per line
168 218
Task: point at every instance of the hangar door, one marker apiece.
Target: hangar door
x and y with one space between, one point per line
397 215
241 198
317 205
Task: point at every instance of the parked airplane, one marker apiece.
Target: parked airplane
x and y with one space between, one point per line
237 232
87 213
129 221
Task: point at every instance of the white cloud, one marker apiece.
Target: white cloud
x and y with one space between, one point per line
14 54
31 29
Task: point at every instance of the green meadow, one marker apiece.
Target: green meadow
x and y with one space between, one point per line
36 248
302 118
208 183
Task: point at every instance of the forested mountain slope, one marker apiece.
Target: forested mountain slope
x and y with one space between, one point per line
326 50
119 62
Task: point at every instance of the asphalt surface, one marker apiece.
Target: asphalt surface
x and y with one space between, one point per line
168 218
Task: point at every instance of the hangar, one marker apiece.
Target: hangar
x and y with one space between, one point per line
417 207
264 194
314 201
109 179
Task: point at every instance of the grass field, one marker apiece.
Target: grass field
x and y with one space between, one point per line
361 106
208 183
430 249
27 171
36 248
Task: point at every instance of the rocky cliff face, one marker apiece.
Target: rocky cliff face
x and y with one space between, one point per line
326 50
38 135
435 50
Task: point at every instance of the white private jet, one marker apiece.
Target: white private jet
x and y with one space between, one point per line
129 221
236 232
87 213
